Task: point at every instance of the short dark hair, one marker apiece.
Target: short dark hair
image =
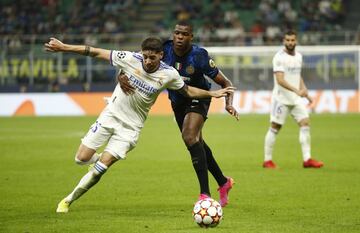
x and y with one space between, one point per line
152 44
185 23
290 32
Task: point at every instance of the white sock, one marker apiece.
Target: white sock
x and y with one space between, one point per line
269 143
92 160
87 181
305 142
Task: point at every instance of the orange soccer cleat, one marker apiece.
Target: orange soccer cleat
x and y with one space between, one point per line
312 163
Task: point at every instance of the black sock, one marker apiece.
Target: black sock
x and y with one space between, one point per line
213 166
198 158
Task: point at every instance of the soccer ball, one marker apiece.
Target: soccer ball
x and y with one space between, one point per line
207 213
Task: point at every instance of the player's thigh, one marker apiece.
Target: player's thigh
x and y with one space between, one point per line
179 113
96 136
279 112
300 114
122 141
196 114
84 153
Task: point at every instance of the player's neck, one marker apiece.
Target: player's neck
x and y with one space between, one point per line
292 53
181 52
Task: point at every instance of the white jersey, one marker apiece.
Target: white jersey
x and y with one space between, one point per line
133 109
291 66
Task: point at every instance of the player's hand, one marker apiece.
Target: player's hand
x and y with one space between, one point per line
303 93
125 85
232 111
54 45
311 101
222 92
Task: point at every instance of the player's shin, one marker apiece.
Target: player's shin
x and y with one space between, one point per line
213 166
198 158
305 141
270 139
89 180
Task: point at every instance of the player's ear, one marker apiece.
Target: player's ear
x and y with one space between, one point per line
161 54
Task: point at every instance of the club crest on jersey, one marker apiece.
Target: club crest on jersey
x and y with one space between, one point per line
212 63
190 69
121 55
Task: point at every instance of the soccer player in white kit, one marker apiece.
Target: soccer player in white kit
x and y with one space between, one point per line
289 88
120 122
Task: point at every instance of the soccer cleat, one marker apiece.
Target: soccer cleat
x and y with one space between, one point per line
203 196
312 163
63 207
224 191
269 164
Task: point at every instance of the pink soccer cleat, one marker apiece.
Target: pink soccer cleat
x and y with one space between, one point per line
312 163
203 196
224 191
269 164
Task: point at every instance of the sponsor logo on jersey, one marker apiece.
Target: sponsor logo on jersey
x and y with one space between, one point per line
212 63
142 86
294 69
190 69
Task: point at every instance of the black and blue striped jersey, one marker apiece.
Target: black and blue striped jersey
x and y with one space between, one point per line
193 67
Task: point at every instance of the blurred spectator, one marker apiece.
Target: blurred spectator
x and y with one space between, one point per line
272 33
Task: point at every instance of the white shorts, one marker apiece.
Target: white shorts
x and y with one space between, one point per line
280 111
119 136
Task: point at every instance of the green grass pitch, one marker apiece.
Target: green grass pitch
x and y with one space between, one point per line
155 188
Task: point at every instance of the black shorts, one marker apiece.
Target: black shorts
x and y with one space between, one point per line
200 106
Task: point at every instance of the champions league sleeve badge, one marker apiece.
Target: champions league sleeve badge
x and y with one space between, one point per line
121 55
212 63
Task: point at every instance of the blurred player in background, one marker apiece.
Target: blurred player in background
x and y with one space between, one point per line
289 87
120 122
194 63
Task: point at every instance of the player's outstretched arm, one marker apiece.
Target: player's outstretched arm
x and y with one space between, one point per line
55 45
224 82
193 92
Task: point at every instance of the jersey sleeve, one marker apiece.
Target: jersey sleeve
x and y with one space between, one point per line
278 64
206 63
120 58
176 82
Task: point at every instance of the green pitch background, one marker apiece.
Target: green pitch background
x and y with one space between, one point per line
155 188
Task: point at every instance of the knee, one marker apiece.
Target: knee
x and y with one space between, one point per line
81 158
108 159
189 139
304 122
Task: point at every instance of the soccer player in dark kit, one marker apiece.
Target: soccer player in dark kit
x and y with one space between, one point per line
194 63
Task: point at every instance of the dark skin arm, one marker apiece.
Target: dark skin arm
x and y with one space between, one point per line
220 79
125 85
188 91
224 82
